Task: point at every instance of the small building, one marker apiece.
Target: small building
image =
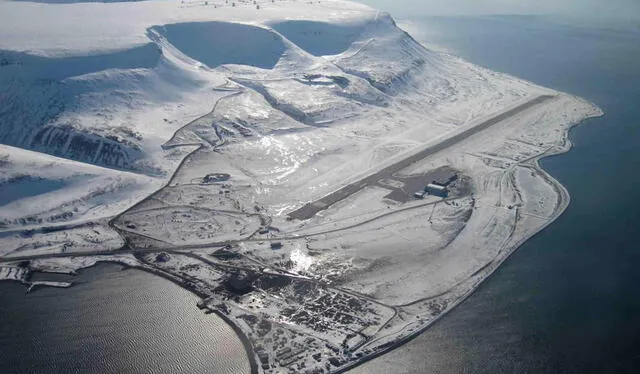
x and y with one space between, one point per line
264 358
276 245
445 178
436 190
240 283
216 177
162 257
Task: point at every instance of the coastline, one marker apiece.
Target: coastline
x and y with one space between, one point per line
456 294
179 282
473 282
565 199
253 364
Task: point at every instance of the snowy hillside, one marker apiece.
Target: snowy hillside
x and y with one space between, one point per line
110 90
291 139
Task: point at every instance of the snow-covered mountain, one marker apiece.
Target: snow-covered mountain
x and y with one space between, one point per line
124 85
186 126
78 91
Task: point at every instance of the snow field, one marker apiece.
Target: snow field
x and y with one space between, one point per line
293 101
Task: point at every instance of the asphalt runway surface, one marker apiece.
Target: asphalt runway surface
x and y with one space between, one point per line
309 210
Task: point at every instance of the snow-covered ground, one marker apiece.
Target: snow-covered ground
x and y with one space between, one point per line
190 126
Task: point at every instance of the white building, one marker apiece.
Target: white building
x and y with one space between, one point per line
436 190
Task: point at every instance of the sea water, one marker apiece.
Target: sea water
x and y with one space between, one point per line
567 301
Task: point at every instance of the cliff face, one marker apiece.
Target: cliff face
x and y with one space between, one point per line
82 105
37 91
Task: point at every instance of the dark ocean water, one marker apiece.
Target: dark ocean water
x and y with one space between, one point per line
568 300
113 321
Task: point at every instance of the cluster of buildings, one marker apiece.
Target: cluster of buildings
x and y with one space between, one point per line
438 187
434 189
216 177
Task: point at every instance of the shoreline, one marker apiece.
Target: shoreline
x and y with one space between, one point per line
534 203
477 279
180 283
253 364
565 200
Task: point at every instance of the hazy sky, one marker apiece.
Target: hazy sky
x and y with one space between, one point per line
581 8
